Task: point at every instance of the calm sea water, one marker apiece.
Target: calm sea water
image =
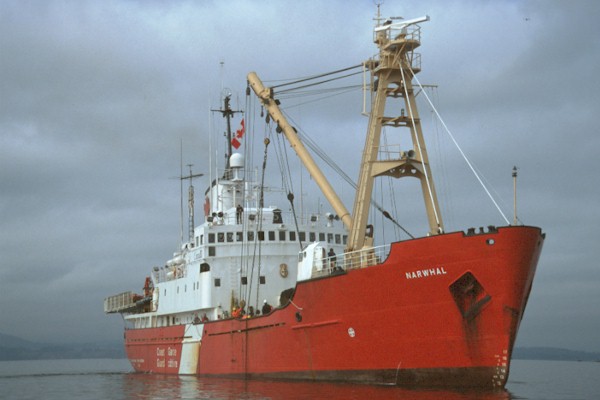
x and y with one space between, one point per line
113 379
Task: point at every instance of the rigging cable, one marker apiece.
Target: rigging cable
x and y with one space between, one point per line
258 243
284 166
390 191
444 188
329 161
249 161
320 82
345 90
412 119
247 263
315 147
316 76
459 149
314 92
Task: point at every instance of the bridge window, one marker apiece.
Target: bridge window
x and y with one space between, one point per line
229 237
204 267
312 236
239 236
321 237
211 238
271 236
217 282
292 236
220 237
212 251
282 236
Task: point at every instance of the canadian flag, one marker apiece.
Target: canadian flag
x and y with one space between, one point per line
235 142
206 206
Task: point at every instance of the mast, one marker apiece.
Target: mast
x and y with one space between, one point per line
392 73
227 113
392 78
272 106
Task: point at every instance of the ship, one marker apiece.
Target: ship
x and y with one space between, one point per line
267 292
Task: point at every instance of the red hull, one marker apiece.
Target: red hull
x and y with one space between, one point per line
440 311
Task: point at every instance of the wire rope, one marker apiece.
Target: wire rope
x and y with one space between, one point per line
412 119
317 76
460 150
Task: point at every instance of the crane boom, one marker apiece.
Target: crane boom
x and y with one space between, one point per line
271 105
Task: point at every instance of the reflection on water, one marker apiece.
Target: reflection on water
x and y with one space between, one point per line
111 379
144 386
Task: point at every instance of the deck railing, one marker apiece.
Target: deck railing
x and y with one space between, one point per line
119 302
165 274
353 260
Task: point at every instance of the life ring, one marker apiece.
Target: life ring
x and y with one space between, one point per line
283 270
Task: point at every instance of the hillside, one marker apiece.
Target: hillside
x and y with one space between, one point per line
15 348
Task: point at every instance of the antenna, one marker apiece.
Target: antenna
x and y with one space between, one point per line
378 18
190 201
514 175
181 187
402 24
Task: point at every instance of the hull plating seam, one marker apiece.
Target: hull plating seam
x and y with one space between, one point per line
245 329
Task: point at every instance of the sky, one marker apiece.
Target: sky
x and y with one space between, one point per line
97 96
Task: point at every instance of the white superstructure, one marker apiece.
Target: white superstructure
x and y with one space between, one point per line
241 255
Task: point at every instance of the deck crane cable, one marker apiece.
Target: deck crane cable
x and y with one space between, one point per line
257 241
248 247
245 290
319 82
320 153
284 166
330 162
317 92
257 248
338 92
316 76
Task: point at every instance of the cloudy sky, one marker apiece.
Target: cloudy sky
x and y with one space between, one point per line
96 96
